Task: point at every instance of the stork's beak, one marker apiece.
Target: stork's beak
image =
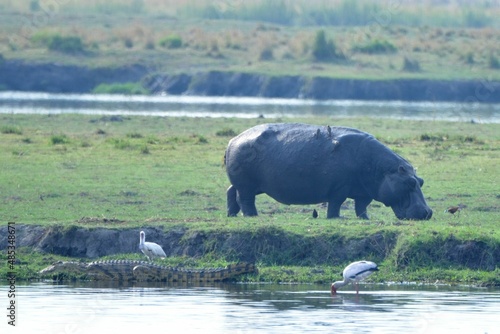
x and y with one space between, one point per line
333 291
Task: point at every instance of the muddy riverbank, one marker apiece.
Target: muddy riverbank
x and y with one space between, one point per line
269 246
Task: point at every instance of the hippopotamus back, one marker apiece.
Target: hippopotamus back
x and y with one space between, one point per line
307 164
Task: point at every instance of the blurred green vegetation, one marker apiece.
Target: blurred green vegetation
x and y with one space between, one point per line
128 88
467 14
376 46
171 42
447 41
323 49
56 42
346 12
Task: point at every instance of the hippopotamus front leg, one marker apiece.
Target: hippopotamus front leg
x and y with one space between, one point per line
360 205
333 210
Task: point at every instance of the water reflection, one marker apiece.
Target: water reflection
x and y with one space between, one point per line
246 308
243 107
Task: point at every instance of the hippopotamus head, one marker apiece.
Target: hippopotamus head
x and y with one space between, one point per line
400 189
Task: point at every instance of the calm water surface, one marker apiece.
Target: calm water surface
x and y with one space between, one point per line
251 308
244 107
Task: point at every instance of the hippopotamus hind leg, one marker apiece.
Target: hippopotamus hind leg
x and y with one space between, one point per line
232 204
360 205
246 201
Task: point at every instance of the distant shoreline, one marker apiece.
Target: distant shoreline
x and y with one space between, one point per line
50 77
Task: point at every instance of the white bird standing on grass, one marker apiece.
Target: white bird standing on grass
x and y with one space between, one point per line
355 272
150 249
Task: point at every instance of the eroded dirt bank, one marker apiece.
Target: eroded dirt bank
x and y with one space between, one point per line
269 246
47 77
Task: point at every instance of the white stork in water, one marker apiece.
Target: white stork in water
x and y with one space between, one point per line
150 249
355 272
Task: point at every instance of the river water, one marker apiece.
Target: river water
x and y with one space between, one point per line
251 308
196 106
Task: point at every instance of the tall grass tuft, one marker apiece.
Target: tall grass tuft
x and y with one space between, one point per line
376 46
171 42
13 130
226 132
59 139
121 144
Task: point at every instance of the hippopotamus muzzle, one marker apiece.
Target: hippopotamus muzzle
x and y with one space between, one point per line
413 206
422 212
402 192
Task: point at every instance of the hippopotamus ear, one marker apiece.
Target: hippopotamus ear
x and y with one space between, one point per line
420 181
401 169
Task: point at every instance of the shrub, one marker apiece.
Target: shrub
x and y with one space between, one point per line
150 45
266 54
493 62
201 139
171 42
469 58
410 65
128 43
376 47
475 19
56 42
59 139
324 50
34 5
68 44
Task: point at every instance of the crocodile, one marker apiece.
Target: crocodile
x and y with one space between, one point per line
131 270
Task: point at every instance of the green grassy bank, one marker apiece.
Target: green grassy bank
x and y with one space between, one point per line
167 173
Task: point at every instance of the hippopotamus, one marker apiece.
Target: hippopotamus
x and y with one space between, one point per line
309 164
